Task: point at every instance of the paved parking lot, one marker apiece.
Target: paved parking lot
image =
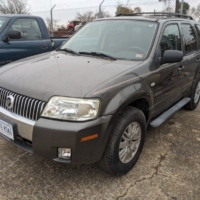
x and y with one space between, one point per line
169 168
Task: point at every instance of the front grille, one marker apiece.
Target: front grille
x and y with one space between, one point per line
24 106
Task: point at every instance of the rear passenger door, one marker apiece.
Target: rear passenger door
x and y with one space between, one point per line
30 43
191 57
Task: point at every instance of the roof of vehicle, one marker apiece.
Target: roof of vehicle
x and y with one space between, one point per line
128 18
155 16
146 18
18 15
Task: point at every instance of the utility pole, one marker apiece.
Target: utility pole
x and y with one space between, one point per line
182 2
52 21
100 14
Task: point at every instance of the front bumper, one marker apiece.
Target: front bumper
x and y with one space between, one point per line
24 126
45 136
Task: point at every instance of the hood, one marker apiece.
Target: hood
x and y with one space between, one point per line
59 73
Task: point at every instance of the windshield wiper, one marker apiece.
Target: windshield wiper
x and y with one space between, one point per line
70 51
98 54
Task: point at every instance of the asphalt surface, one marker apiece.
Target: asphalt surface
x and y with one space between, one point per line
169 168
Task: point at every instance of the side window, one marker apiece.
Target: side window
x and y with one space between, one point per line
198 33
29 29
189 38
171 39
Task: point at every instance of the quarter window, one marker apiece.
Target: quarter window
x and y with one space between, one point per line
29 29
3 22
198 33
171 39
189 38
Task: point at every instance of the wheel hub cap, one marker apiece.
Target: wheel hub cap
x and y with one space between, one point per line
197 93
130 142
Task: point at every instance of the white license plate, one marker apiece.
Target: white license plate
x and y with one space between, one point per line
6 129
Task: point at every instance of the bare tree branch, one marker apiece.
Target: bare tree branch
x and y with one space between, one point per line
195 13
14 7
55 24
90 16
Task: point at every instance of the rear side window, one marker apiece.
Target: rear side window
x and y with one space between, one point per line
29 29
189 38
171 39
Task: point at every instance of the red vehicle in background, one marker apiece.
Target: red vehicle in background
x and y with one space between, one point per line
71 26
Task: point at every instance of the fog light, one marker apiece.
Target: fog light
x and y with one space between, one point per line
64 153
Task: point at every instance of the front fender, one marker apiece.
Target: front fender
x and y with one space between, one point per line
115 100
124 89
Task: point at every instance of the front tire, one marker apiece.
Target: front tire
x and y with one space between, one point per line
125 142
195 96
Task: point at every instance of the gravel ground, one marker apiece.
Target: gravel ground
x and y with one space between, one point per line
168 168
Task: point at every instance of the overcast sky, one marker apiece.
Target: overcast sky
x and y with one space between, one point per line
66 10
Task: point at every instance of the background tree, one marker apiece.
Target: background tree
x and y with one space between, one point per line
62 28
127 9
195 13
122 9
168 7
55 24
137 10
90 16
104 14
86 16
186 7
14 7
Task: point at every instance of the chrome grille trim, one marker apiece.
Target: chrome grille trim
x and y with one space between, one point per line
26 107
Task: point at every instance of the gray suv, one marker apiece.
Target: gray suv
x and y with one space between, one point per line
91 100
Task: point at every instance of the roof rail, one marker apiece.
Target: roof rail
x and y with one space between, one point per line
158 14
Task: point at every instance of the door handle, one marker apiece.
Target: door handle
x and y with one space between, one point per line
44 47
181 68
198 60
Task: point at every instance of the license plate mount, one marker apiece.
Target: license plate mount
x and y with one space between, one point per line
8 129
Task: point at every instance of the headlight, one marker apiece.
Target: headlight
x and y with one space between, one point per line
71 109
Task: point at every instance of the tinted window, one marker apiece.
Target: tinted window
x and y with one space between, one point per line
198 29
29 29
198 33
123 39
189 38
171 39
3 22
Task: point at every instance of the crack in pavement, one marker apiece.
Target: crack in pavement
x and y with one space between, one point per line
161 159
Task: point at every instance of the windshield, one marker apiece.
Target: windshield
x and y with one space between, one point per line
3 22
122 39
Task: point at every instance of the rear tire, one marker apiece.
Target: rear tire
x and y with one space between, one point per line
125 142
195 96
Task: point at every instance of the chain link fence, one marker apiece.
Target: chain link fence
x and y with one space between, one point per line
87 10
190 7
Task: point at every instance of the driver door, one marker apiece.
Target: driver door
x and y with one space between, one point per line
168 88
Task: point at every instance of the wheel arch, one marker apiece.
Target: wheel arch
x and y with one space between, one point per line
141 98
142 102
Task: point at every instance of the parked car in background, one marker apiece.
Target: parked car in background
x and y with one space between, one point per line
71 26
23 36
92 99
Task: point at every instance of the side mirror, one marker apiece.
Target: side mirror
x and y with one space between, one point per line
6 38
13 35
172 56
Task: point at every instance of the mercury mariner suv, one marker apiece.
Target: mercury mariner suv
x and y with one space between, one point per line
91 100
